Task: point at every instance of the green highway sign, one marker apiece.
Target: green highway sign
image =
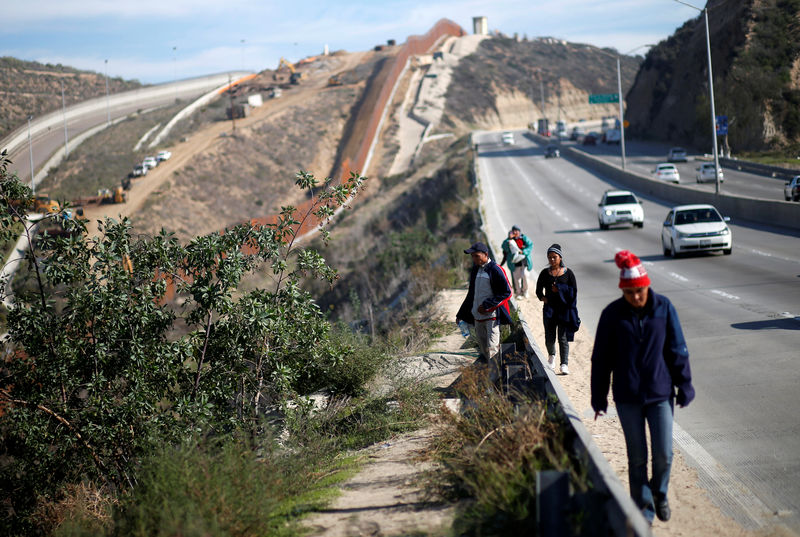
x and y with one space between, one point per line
600 98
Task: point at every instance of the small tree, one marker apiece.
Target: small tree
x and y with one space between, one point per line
99 375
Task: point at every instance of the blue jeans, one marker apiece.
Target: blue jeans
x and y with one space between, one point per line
659 418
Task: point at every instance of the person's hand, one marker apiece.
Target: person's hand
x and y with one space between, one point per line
481 309
683 398
598 413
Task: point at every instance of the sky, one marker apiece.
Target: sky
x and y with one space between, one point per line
158 41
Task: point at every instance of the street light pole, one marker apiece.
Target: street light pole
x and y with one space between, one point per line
30 151
175 70
621 117
108 105
704 11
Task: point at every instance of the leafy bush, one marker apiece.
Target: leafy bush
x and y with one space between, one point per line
100 378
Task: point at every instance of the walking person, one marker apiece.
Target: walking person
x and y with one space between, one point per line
486 305
557 288
517 249
640 348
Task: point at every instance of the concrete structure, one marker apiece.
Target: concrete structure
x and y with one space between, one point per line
480 26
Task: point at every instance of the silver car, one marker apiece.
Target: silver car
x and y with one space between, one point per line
695 228
667 172
706 173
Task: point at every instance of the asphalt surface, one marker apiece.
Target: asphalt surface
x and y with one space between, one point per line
47 132
740 314
642 157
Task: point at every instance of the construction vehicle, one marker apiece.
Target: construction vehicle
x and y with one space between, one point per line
43 204
295 76
104 196
335 80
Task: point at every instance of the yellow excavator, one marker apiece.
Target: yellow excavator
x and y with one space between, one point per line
295 76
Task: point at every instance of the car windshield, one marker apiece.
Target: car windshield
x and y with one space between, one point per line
696 216
667 168
620 199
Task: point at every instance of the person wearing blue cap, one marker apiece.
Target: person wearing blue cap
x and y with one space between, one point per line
486 305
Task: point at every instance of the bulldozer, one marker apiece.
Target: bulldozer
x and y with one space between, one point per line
335 80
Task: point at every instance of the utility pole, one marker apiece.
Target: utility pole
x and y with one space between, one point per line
175 70
64 109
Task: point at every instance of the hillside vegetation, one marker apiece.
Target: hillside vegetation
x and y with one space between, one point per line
34 89
499 85
755 49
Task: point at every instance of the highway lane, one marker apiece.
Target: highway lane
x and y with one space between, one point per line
740 313
642 157
47 132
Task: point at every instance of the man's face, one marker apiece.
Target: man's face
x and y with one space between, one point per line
479 258
636 296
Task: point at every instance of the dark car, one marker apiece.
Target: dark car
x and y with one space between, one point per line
551 151
590 139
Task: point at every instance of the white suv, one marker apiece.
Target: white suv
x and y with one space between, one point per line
706 173
619 207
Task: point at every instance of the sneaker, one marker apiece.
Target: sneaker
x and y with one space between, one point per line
564 369
551 362
662 510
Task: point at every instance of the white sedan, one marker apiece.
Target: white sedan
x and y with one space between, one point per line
695 228
619 207
667 172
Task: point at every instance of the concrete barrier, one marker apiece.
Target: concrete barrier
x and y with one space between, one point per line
774 213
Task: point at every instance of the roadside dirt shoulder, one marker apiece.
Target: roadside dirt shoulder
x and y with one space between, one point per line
693 511
385 497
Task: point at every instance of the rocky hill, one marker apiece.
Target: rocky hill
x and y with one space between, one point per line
32 88
755 49
499 85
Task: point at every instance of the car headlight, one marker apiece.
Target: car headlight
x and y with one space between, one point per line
682 235
725 231
609 212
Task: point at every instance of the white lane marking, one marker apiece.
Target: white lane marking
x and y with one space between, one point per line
678 277
733 496
483 169
723 294
602 241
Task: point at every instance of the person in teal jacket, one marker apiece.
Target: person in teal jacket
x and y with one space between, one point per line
517 250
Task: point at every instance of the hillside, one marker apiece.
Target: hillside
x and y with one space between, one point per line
32 88
755 50
499 85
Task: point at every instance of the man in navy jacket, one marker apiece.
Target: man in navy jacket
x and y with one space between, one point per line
640 344
486 305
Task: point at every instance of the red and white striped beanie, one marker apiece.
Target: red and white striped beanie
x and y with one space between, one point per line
632 272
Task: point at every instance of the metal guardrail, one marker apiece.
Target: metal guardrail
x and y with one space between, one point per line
610 510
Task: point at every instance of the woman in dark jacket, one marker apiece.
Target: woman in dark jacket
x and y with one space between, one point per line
557 288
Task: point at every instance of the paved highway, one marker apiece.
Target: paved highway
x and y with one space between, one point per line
47 132
740 314
642 157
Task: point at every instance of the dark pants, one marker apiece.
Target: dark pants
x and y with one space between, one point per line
551 327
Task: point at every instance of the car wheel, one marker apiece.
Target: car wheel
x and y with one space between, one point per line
603 226
640 225
672 249
728 251
664 247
